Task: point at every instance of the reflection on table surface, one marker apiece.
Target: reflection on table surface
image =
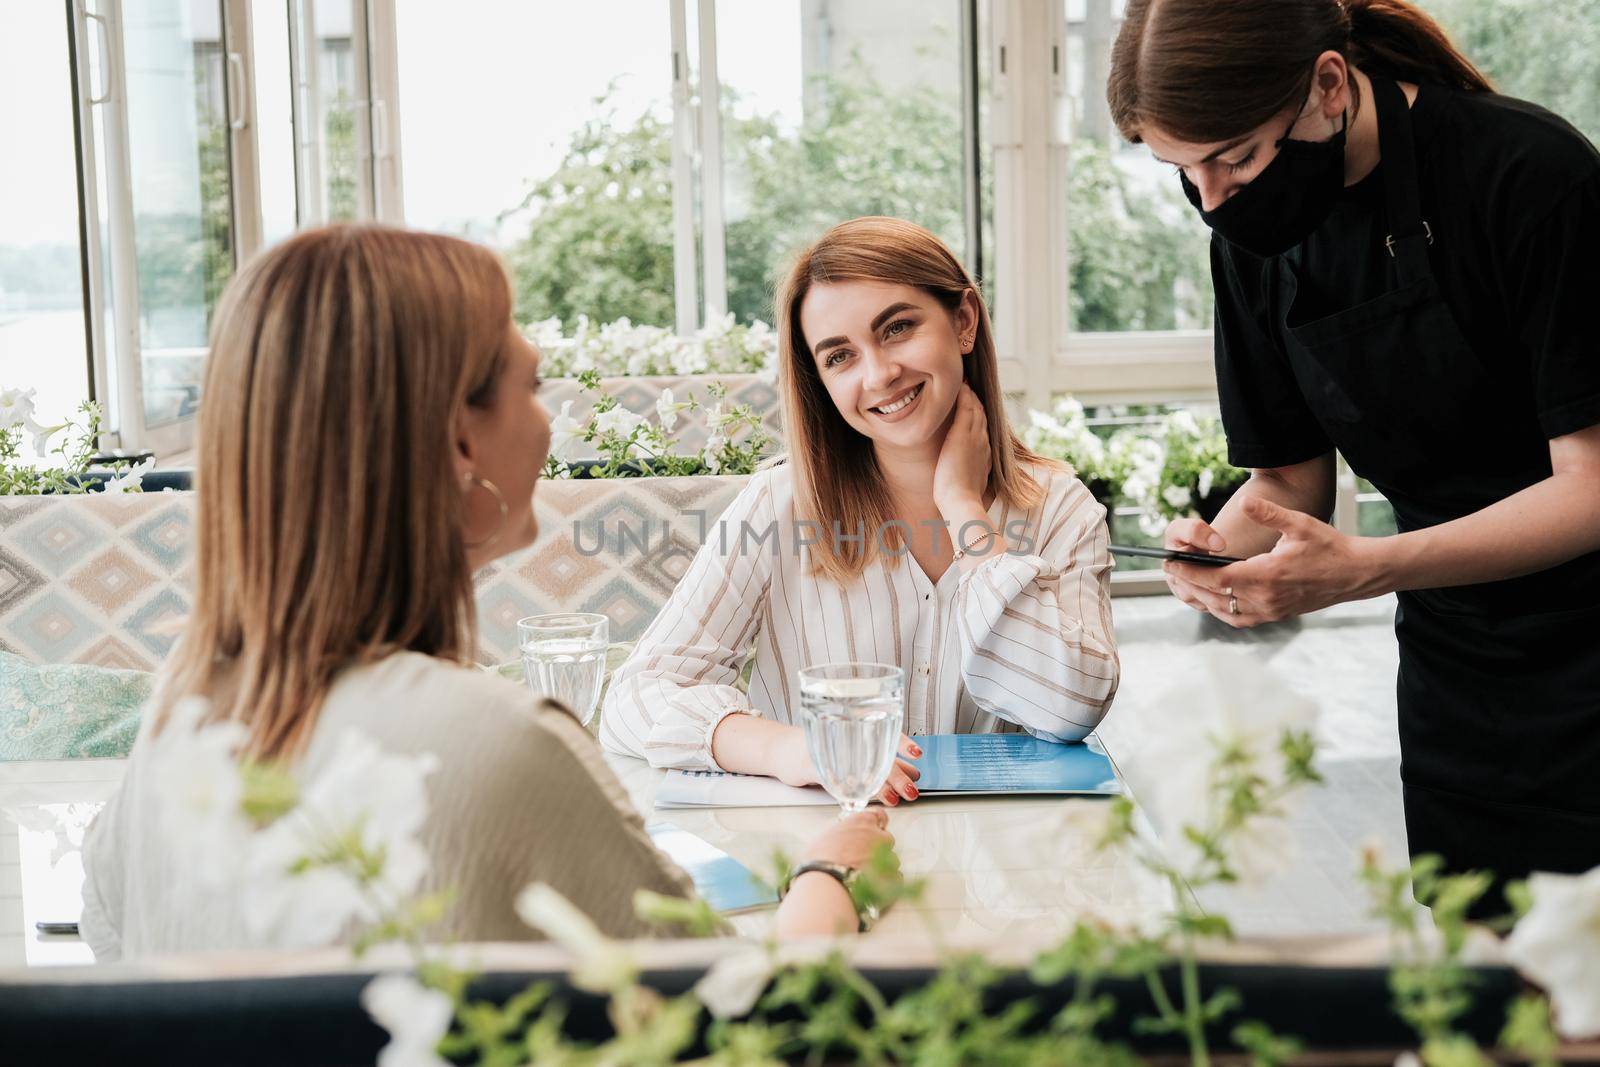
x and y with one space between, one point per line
1003 870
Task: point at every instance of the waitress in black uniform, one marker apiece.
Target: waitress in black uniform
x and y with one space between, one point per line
1407 271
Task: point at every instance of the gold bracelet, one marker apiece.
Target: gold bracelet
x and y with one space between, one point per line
966 550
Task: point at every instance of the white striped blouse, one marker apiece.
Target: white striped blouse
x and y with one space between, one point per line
1023 641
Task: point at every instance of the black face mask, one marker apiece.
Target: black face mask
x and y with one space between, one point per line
1282 205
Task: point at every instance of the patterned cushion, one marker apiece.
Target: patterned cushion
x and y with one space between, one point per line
107 580
68 711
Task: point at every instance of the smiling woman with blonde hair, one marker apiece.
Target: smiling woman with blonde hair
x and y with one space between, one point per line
909 527
371 435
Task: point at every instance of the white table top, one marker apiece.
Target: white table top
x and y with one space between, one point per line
998 870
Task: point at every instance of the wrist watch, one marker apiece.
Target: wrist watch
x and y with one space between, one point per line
866 914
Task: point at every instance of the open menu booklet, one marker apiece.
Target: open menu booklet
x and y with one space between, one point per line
967 764
722 881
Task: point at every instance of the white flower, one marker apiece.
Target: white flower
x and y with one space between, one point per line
132 479
546 334
1046 422
41 435
1152 524
1228 701
1183 421
361 796
1176 496
201 792
16 407
618 420
732 985
712 456
564 433
716 418
1069 410
1557 945
600 965
415 1016
665 411
1206 479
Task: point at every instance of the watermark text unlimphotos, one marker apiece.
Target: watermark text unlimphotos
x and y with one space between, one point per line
893 538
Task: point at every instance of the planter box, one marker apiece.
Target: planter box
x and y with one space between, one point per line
315 1019
613 545
639 395
109 579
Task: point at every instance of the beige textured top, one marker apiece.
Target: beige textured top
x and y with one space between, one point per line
521 794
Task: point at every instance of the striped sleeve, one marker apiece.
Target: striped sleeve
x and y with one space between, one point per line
1037 647
666 701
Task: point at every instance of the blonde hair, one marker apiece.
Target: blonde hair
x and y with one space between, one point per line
836 475
329 516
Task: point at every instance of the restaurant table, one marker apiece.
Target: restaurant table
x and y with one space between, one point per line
1002 871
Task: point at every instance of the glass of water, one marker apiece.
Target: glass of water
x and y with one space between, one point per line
564 658
853 714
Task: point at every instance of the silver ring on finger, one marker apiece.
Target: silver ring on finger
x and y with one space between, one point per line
1233 605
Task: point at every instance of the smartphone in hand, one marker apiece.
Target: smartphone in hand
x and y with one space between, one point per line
1204 559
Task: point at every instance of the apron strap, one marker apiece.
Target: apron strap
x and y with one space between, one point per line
1409 233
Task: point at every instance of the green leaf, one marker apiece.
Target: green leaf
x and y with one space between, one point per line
1266 1048
1530 1031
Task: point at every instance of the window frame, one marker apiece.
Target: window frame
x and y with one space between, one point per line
110 263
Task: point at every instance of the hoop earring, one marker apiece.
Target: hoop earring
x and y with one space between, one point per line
472 482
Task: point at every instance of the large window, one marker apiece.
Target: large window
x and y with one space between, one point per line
832 110
181 192
41 282
179 138
550 136
657 161
614 190
1136 251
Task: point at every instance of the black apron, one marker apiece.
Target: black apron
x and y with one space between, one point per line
1499 684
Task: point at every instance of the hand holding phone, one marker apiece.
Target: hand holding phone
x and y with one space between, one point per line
1204 559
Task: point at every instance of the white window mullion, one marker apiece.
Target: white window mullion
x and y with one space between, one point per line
1058 129
125 397
1025 277
713 239
87 29
971 140
309 120
686 285
361 72
1004 140
384 74
239 90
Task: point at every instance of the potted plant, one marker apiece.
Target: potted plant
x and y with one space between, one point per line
1183 470
1064 433
70 465
630 445
621 349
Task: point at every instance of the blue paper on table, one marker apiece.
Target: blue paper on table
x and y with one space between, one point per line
1012 763
722 881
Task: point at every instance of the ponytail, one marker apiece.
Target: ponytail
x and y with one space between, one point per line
1204 71
1396 40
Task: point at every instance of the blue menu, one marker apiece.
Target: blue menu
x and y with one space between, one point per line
722 881
1012 763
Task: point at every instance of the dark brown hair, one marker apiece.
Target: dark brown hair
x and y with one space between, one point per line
1204 71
